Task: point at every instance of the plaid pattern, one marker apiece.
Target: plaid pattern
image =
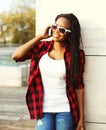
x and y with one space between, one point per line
34 96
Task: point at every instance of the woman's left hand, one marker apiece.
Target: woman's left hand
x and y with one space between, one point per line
80 125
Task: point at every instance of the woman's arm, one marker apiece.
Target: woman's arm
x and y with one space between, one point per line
22 50
80 98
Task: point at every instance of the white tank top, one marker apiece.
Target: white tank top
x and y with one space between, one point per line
53 73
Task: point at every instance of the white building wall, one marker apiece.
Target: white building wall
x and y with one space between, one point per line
92 17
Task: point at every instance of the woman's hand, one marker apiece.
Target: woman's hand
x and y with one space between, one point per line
45 33
81 125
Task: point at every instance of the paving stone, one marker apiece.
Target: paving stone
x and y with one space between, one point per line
13 110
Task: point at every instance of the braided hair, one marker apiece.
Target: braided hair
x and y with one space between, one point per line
73 41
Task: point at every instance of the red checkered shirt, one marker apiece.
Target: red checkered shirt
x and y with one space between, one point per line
34 96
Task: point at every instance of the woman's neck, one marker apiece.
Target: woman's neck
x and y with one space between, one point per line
58 46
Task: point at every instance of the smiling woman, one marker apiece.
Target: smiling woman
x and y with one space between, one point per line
5 5
60 61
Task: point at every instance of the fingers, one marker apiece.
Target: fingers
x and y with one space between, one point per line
82 128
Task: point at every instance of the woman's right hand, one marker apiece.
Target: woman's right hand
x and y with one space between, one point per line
45 33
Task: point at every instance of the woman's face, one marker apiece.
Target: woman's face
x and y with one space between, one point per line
58 36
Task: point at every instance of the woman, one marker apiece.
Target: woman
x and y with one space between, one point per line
55 96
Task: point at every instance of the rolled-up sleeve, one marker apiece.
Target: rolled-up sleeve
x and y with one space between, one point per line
33 51
27 56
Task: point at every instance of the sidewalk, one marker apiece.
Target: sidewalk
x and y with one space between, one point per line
13 110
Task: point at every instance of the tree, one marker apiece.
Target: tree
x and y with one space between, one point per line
18 25
24 26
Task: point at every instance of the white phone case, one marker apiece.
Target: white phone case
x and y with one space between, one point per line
50 32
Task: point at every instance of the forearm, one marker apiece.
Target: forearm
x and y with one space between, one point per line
22 50
80 98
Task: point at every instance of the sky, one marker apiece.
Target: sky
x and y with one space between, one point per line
5 5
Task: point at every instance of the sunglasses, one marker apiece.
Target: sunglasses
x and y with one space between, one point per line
62 30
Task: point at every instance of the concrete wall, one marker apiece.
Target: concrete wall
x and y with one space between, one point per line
91 14
14 76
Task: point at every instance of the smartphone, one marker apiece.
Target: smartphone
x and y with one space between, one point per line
50 31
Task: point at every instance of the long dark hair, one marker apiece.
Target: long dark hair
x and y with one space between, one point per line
73 41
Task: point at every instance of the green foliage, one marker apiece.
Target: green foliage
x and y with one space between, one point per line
26 29
18 25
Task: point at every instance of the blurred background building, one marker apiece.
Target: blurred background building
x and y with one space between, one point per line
17 26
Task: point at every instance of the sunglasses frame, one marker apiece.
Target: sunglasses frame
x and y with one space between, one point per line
57 27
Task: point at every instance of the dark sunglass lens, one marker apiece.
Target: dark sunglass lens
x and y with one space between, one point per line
54 26
62 30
